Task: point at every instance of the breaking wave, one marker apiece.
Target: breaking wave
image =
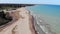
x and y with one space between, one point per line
41 26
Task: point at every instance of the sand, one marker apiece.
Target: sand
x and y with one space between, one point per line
22 26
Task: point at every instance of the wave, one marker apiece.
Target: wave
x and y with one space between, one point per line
41 26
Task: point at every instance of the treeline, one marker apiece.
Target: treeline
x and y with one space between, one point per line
6 6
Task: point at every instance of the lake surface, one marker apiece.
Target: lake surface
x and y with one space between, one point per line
49 13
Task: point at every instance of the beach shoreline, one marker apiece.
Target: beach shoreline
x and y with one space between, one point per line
22 26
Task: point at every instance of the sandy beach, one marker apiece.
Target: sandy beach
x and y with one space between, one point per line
22 26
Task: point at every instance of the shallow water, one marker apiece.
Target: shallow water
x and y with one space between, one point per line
49 13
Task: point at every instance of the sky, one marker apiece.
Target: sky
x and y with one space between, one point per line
55 2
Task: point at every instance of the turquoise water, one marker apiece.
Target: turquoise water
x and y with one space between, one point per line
53 10
50 13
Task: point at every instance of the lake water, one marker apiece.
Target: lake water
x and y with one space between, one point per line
49 13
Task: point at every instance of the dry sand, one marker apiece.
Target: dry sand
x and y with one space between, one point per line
22 26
